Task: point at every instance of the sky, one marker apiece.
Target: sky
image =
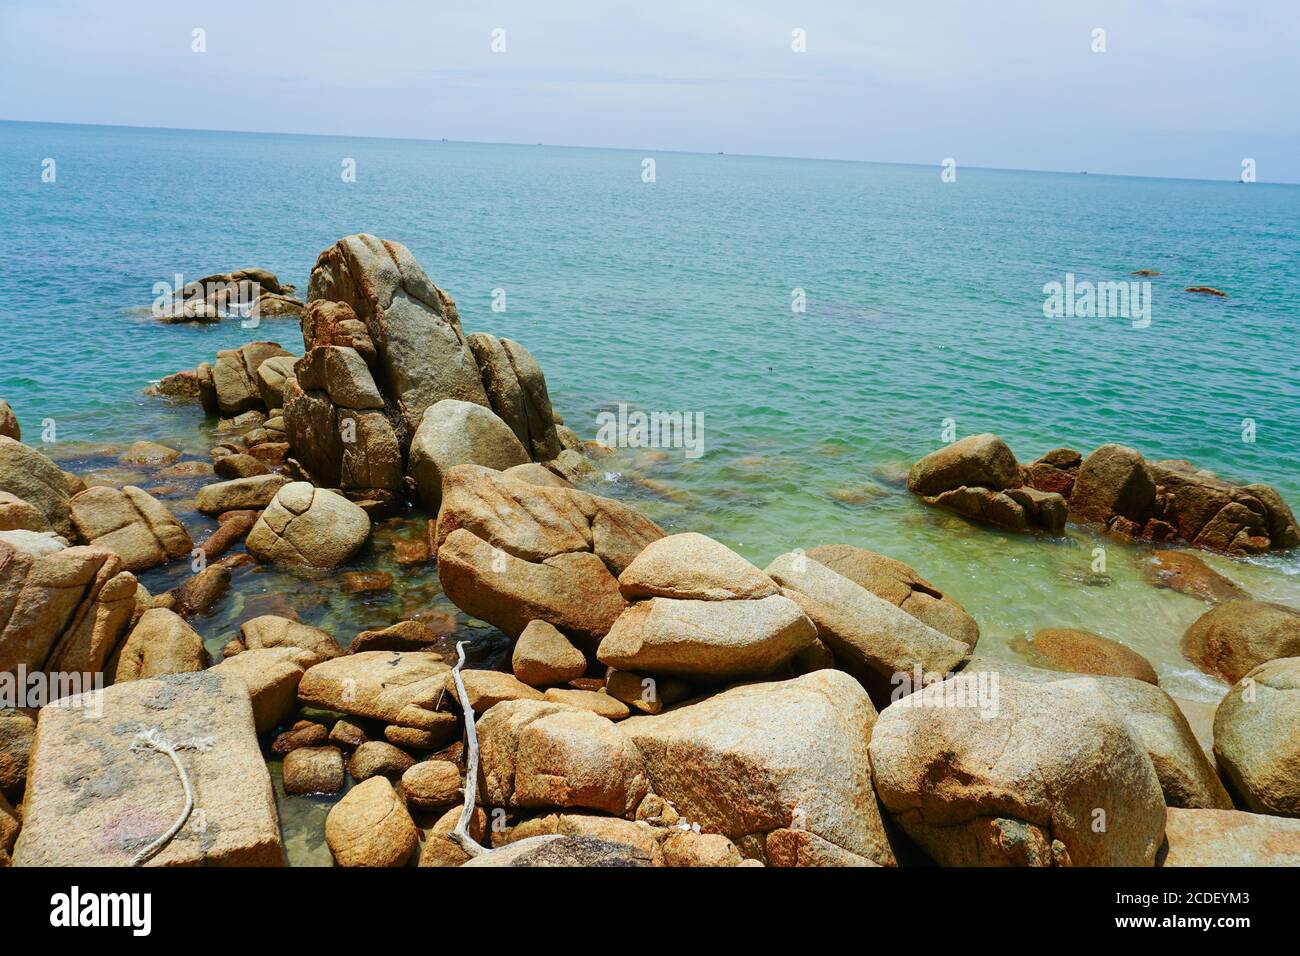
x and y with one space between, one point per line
1184 88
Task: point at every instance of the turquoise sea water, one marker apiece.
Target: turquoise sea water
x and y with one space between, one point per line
924 303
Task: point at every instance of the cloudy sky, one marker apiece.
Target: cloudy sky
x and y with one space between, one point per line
1184 87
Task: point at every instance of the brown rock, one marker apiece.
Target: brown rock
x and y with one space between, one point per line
201 592
149 453
308 527
132 524
688 848
1231 639
1256 741
161 643
376 757
1220 838
313 770
608 707
270 630
431 784
402 636
370 827
1112 481
977 460
239 494
347 734
901 586
271 675
27 474
393 686
1185 573
543 656
488 688
304 733
17 733
1083 652
691 566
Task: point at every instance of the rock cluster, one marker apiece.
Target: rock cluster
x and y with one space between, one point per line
1114 488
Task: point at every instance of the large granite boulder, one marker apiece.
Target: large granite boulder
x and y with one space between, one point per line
421 354
870 637
1053 776
766 757
510 553
396 687
454 433
27 474
543 656
901 586
270 630
1257 737
1186 775
271 675
160 643
235 378
62 609
239 494
308 527
1237 636
707 640
516 389
979 477
132 524
1229 838
691 566
1113 481
536 753
92 800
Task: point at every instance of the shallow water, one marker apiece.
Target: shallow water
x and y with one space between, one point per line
924 302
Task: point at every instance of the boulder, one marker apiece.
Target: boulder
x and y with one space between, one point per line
536 753
870 637
378 758
27 474
334 323
402 636
516 390
763 757
1208 511
1113 481
543 656
485 689
431 784
396 687
977 460
269 630
611 708
709 640
160 643
693 566
149 453
345 733
271 376
370 827
308 527
304 733
640 836
61 609
1229 838
688 848
1083 652
1186 776
313 770
1283 529
421 354
1231 639
574 592
132 524
200 591
458 433
17 734
1053 777
272 675
9 427
440 849
1185 573
94 801
239 494
535 523
1256 738
1056 471
234 375
240 466
901 586
19 515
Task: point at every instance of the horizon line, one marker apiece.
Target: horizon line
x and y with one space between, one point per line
637 149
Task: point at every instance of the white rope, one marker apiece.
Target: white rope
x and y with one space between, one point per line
152 739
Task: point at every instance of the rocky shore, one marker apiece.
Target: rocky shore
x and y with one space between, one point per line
657 699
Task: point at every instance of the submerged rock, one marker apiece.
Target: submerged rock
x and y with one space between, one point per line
120 800
1185 573
1025 786
1083 652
